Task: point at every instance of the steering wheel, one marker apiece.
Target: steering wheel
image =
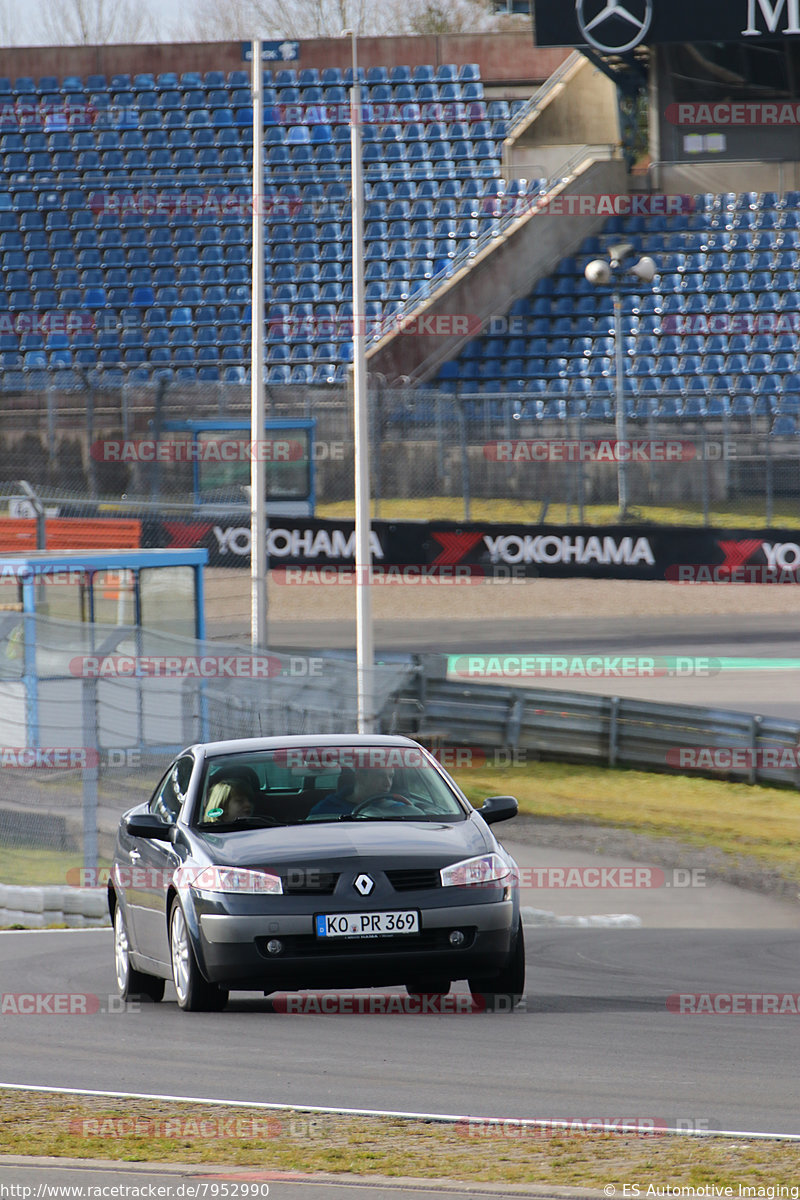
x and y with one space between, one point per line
374 799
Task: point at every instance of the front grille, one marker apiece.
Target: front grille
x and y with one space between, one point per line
309 882
414 879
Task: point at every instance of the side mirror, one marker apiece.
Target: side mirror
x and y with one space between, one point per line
145 825
498 808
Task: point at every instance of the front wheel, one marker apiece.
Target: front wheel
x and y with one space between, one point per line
130 982
502 992
195 994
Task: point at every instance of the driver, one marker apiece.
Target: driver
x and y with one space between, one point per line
353 788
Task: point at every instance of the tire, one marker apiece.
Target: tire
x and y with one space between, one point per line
130 982
502 992
195 994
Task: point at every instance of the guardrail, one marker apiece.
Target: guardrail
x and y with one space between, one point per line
612 730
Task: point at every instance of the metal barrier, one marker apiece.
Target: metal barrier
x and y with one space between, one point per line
612 730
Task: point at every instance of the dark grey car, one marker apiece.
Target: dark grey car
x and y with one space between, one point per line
287 863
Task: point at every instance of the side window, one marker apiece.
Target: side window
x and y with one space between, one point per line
167 800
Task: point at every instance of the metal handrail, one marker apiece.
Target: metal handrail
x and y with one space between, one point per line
523 207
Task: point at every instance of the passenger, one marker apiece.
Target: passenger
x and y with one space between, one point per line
229 801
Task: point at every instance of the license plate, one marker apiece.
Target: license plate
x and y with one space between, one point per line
371 924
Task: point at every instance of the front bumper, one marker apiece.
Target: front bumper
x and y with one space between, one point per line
232 949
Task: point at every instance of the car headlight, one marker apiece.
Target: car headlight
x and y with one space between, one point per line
235 881
471 872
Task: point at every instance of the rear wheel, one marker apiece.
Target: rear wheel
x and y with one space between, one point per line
195 994
502 992
130 982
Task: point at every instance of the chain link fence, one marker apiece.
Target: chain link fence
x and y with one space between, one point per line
425 446
91 716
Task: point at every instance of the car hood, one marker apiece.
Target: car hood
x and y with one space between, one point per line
424 842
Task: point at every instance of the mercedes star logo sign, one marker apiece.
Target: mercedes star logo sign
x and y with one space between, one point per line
613 26
364 885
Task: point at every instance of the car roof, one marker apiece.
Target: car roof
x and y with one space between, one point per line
242 745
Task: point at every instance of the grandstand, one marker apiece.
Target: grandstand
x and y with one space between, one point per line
125 212
716 334
128 200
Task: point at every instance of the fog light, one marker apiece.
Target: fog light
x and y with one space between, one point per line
457 938
274 946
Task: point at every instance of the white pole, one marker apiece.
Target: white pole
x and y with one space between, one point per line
619 366
364 640
258 469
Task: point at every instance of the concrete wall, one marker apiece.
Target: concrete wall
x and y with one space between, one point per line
579 110
720 176
507 269
503 57
40 907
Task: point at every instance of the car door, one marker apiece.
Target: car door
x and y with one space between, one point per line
153 863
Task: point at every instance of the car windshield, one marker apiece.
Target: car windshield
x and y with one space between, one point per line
300 785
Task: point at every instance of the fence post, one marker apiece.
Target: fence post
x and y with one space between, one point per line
613 731
462 429
706 498
376 436
440 439
91 773
38 508
51 423
581 472
769 481
91 467
755 736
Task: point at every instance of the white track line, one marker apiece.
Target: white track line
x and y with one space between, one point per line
444 1118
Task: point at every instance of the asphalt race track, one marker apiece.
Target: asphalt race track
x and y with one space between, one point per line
595 1039
767 688
594 1042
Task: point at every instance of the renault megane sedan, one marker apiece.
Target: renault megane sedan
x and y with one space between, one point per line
303 862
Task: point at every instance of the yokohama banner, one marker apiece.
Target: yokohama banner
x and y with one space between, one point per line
449 550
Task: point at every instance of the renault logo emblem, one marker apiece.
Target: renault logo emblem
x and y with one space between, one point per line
614 26
364 885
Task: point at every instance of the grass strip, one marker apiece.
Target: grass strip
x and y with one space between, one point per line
145 1131
746 513
741 822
